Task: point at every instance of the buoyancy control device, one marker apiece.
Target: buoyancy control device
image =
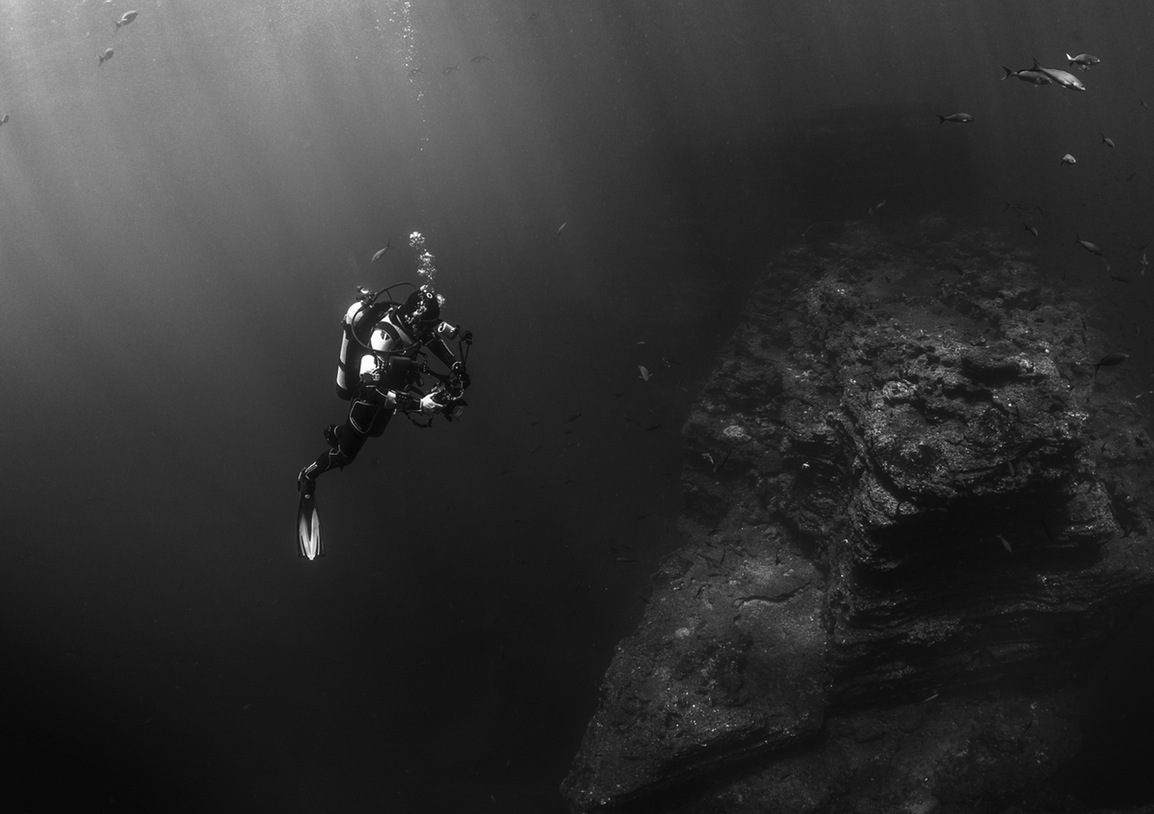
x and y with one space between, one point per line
356 331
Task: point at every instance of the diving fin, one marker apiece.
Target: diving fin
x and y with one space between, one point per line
309 527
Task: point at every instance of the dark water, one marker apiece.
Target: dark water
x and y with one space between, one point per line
182 227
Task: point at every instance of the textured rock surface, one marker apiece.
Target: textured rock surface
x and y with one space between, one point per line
906 492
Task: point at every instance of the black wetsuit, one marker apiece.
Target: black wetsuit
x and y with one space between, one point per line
396 376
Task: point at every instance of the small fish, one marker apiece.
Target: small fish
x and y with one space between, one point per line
128 17
1031 229
1069 159
1027 75
450 69
1062 78
644 372
1111 359
4 119
876 207
1092 248
574 417
107 55
1143 261
1083 61
1109 142
414 71
561 228
1005 544
479 58
381 252
956 118
627 559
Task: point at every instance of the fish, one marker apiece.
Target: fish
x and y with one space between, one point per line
107 55
1065 79
1005 544
1083 61
1109 360
479 58
449 69
127 18
1031 229
561 228
644 372
1092 248
381 252
414 71
1027 75
956 118
1109 142
876 207
1069 159
4 119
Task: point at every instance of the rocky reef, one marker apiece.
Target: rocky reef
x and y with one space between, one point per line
915 511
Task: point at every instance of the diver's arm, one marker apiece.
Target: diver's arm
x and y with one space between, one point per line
374 381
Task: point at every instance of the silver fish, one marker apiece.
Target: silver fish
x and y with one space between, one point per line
107 55
381 252
1083 61
956 118
1109 142
128 17
644 372
1092 248
1064 78
1069 159
1027 75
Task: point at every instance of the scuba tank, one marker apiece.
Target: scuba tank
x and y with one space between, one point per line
356 330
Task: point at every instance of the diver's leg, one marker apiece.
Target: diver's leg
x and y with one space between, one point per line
364 420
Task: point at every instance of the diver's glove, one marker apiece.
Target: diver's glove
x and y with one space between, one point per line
431 403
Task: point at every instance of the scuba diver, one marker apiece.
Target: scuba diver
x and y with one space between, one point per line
382 371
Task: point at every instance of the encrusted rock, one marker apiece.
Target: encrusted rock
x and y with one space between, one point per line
903 484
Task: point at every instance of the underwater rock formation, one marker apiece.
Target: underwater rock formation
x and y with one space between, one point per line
914 511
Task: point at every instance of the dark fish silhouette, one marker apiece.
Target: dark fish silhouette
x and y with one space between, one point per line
956 118
4 119
479 58
413 72
450 69
1109 360
107 55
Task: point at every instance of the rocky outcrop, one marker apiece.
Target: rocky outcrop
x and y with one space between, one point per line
910 496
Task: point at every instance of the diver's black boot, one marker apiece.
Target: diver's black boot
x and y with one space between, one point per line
331 435
307 481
